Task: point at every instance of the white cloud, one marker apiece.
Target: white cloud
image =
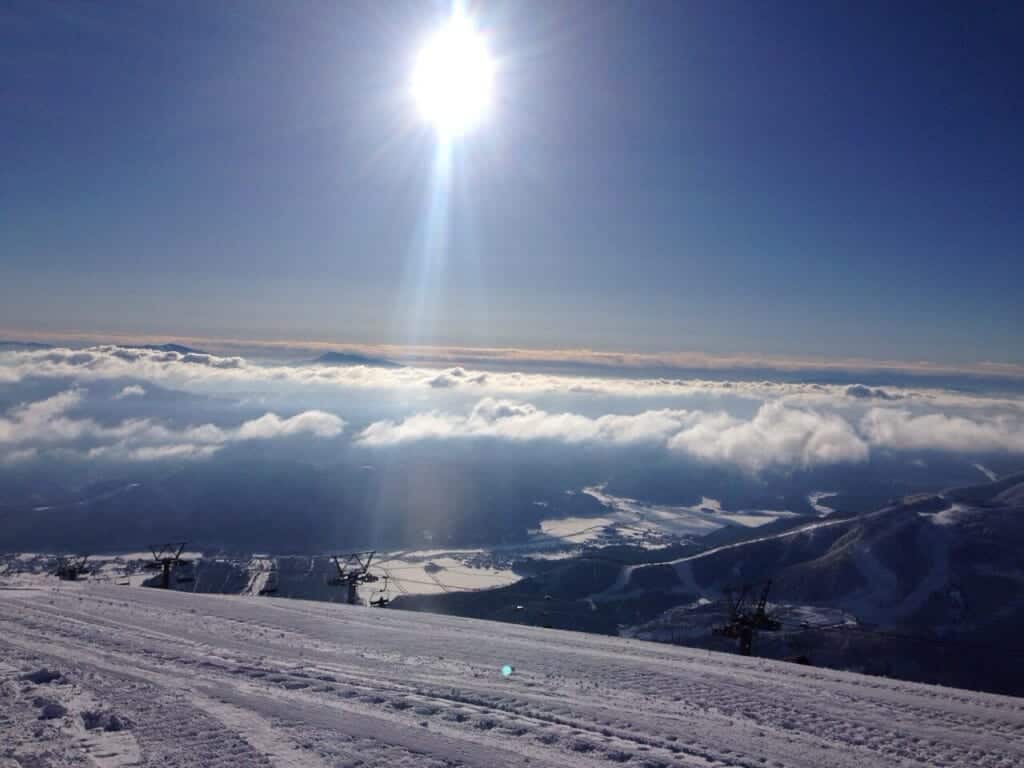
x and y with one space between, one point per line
46 423
505 357
793 423
776 436
900 429
517 421
153 452
269 425
132 390
212 374
14 457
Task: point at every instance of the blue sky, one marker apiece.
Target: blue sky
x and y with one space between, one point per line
807 179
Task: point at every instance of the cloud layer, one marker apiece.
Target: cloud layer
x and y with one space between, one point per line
901 430
49 424
504 357
755 425
517 421
211 373
776 436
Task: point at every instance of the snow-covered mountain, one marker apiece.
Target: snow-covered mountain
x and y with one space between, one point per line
101 675
932 586
926 588
929 558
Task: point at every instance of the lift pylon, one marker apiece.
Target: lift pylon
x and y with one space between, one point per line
744 621
353 570
167 557
70 567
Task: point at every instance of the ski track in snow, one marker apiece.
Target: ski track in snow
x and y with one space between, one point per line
992 476
202 680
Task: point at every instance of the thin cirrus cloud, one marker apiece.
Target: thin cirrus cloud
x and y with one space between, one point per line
28 429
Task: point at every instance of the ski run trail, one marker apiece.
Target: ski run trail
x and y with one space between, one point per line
101 675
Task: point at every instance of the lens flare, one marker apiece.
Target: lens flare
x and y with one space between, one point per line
452 79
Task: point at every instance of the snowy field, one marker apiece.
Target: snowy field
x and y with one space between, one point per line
638 523
431 572
102 675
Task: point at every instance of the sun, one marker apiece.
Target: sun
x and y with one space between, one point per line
453 78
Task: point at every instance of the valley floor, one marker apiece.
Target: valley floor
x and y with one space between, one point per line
170 679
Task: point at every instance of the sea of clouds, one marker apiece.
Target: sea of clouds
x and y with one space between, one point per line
751 425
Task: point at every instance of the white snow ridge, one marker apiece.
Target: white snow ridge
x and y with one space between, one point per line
100 675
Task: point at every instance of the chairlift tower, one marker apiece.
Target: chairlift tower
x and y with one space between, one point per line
744 621
353 570
70 567
167 557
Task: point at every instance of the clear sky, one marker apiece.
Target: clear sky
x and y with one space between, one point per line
817 179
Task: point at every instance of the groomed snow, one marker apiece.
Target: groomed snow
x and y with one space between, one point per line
170 679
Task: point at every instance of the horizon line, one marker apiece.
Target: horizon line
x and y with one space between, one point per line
456 353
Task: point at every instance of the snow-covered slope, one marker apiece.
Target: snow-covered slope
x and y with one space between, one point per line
171 679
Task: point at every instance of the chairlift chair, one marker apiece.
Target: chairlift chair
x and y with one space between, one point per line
382 600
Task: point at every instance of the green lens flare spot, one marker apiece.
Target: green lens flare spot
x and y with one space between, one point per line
506 671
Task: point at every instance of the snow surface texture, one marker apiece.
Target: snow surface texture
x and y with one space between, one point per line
169 679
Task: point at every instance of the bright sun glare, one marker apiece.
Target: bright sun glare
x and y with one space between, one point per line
453 78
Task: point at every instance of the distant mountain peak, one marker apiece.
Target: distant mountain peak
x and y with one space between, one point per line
354 358
23 346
